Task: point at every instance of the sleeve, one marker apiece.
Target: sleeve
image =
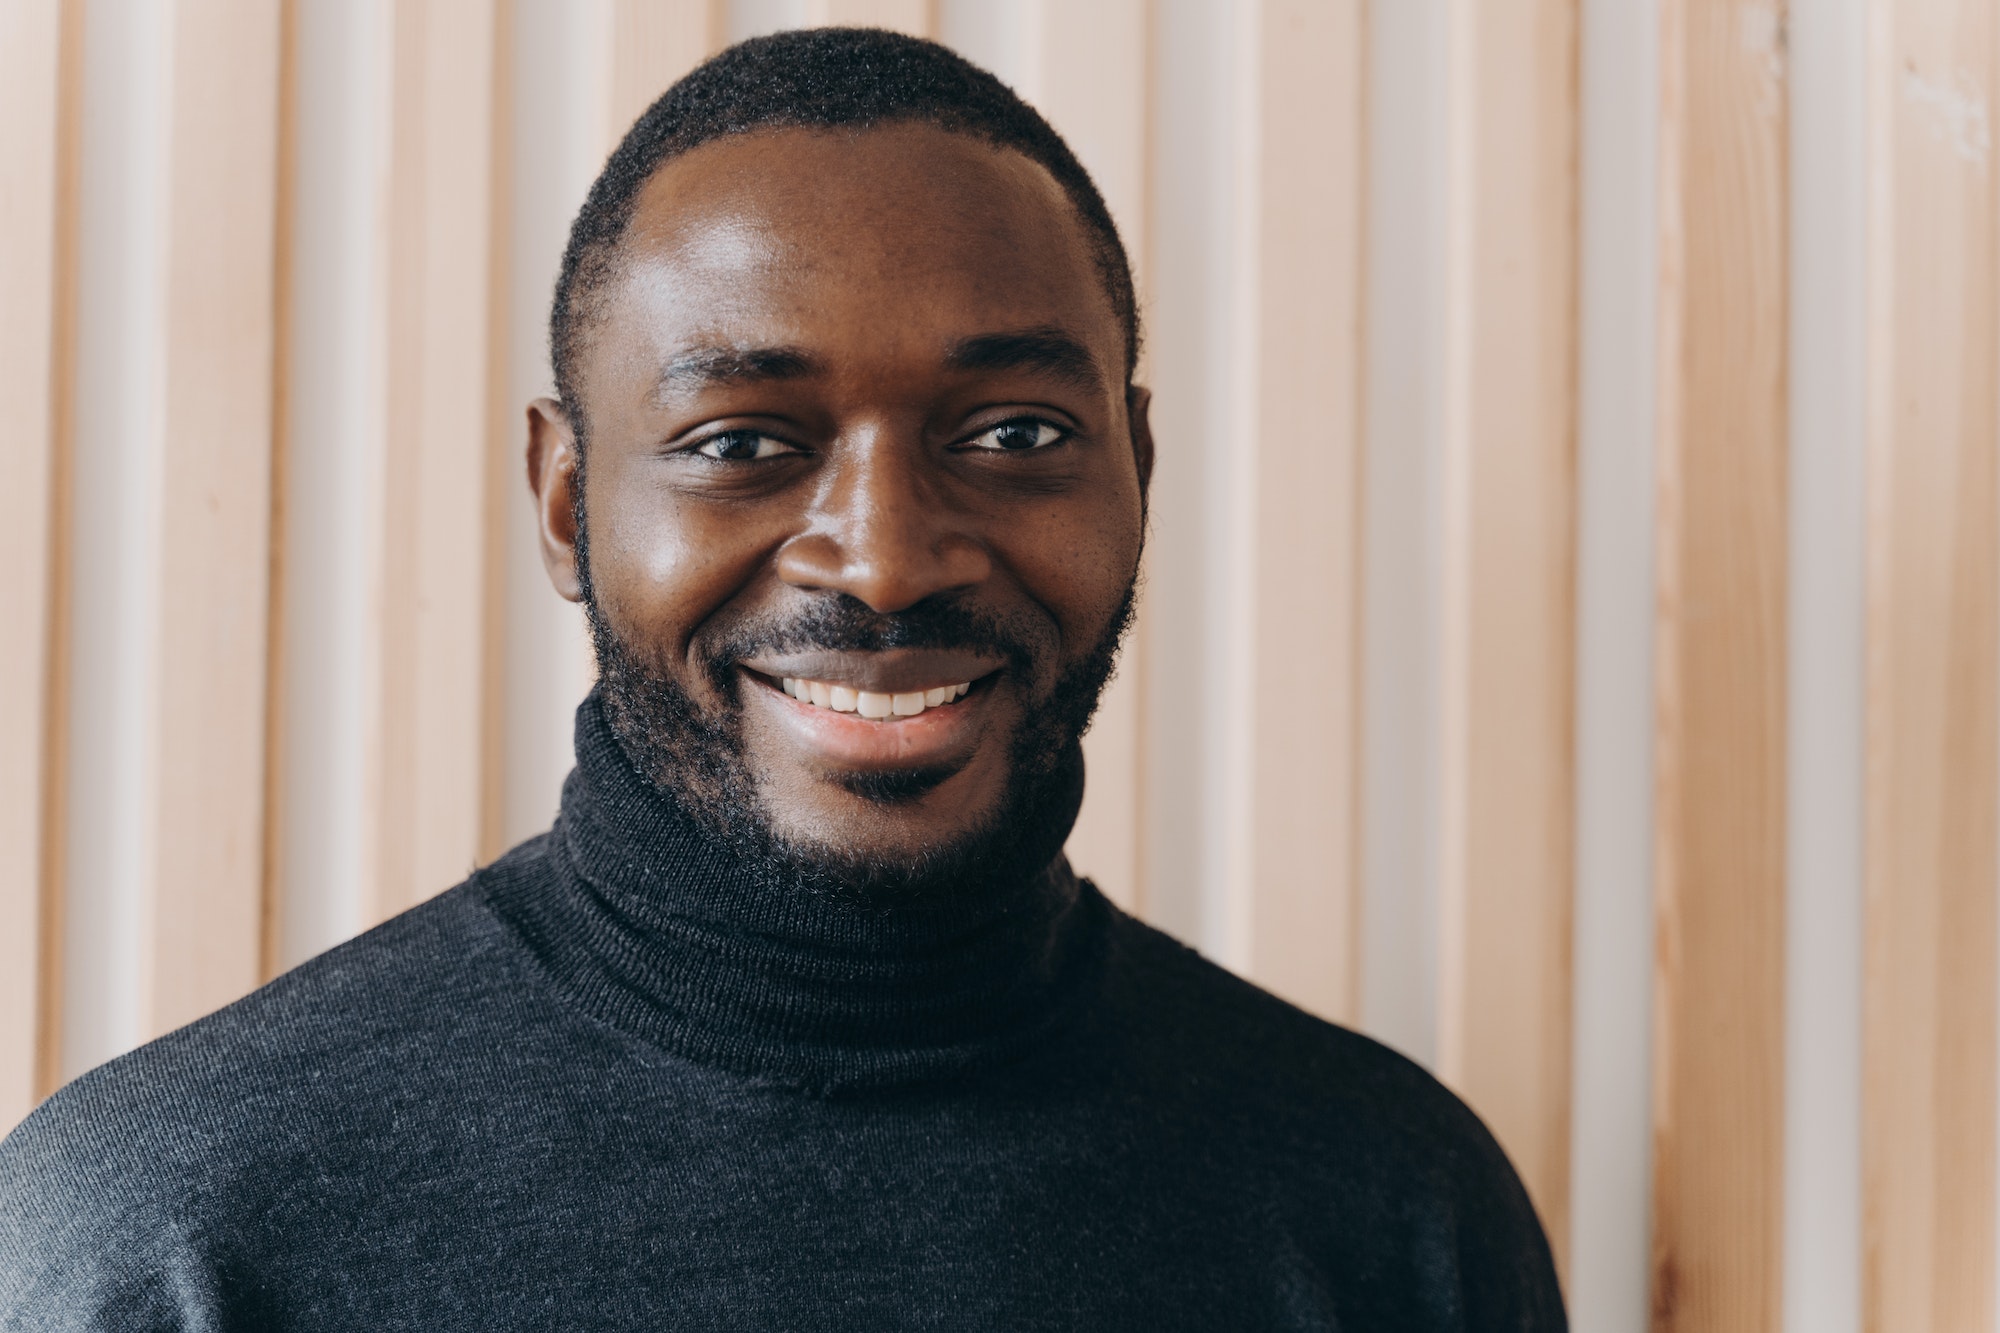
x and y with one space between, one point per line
1506 1273
83 1244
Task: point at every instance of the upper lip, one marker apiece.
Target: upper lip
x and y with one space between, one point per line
890 671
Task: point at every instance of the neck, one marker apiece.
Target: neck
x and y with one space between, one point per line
668 933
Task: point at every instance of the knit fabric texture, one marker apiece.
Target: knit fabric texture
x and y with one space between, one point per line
617 1080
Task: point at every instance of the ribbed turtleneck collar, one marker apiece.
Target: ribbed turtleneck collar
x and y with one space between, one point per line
651 925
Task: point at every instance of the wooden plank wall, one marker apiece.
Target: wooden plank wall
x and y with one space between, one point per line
1612 945
1720 667
1826 62
204 919
31 272
1296 902
1510 490
1934 554
1270 484
439 298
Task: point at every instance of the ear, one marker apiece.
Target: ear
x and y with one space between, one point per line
1138 410
552 475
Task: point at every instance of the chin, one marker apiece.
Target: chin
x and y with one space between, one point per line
886 815
893 837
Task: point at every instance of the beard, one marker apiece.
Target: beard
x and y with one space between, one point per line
697 756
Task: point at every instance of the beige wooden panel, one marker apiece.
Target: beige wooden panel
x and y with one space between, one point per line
655 43
1086 70
1934 551
1302 212
1509 640
31 71
504 471
917 17
1719 816
205 922
271 942
440 186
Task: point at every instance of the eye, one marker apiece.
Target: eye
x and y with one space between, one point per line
742 446
1018 435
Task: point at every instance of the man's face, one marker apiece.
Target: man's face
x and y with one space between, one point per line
863 495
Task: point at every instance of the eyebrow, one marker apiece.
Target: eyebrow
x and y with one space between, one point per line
705 367
1048 350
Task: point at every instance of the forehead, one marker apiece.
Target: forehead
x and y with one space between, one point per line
885 240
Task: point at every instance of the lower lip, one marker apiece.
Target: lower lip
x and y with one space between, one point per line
848 740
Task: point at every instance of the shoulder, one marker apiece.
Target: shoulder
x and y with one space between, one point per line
413 972
110 1189
1216 1027
1334 1122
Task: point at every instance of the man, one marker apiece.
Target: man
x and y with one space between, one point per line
796 1018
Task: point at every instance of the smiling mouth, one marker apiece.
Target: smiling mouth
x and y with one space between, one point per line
868 703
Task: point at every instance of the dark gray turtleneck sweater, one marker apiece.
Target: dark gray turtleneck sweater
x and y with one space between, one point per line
610 1082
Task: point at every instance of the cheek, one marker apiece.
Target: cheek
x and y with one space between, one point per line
1077 560
660 565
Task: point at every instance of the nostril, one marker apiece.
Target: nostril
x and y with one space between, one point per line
813 561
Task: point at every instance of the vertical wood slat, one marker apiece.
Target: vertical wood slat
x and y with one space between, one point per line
1303 427
62 498
283 302
1934 554
31 72
1827 57
331 818
440 184
1087 72
1402 475
1720 673
1504 967
1606 1279
917 17
205 917
501 474
655 43
560 76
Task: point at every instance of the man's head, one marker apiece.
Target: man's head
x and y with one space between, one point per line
843 343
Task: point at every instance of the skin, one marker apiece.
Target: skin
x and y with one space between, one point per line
877 261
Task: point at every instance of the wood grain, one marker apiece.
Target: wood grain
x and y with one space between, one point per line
439 234
1720 670
917 17
655 42
1933 615
1509 640
1302 362
31 101
205 920
284 296
502 472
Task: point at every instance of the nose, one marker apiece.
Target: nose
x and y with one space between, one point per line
881 531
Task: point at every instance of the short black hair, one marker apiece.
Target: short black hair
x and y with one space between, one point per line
816 78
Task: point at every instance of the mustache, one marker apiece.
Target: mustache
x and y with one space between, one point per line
839 622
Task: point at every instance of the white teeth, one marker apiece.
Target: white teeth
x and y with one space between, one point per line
868 703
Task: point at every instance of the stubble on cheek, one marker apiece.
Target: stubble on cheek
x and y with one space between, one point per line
691 751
